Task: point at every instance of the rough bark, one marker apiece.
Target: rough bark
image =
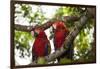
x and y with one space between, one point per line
23 28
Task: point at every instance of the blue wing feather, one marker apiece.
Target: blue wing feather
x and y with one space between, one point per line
46 50
33 54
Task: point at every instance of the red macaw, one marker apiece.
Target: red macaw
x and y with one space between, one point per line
41 46
60 33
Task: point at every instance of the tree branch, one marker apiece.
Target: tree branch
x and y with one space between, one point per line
45 25
23 28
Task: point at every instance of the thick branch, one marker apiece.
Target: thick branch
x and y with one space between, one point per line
23 28
45 25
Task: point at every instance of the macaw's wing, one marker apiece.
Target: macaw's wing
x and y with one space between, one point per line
33 54
47 49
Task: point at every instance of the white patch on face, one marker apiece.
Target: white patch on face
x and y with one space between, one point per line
54 25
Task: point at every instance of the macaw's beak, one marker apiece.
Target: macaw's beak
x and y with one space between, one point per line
35 31
34 34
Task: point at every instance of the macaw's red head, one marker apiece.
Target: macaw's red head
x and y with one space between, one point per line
36 31
59 25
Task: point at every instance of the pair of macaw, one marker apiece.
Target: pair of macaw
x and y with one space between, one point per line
41 46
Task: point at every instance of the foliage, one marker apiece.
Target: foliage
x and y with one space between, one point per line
83 42
22 42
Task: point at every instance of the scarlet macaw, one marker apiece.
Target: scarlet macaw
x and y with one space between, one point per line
60 33
41 46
